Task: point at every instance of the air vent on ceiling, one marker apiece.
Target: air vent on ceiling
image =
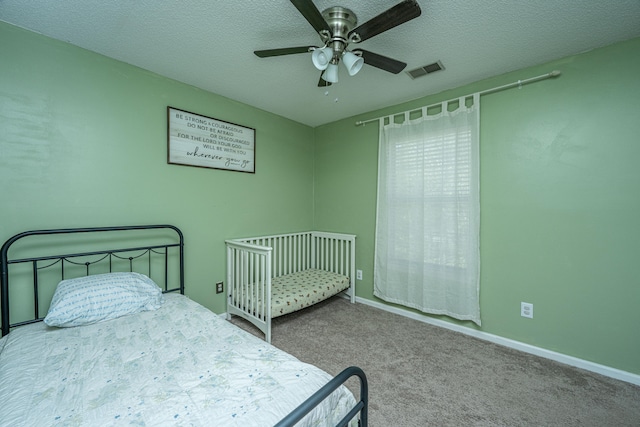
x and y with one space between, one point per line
425 69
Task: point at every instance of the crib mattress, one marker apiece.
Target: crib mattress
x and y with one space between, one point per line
295 291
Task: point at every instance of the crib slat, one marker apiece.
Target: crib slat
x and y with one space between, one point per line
331 259
252 286
295 253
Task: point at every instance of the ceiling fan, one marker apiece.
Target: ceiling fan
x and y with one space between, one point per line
338 27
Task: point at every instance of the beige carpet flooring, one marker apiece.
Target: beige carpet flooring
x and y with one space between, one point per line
422 375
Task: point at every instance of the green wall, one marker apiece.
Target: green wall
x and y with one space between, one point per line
83 142
560 201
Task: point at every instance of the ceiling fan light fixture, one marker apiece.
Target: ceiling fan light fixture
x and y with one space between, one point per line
331 73
338 27
321 57
352 62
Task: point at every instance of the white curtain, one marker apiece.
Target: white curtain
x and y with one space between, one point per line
428 217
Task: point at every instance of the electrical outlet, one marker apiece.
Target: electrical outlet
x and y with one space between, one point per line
359 274
219 287
526 310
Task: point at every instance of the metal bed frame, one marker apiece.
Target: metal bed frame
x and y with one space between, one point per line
308 405
102 256
120 256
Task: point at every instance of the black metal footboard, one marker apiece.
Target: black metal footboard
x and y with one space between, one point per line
313 401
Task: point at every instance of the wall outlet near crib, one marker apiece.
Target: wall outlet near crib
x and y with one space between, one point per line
526 310
359 274
219 287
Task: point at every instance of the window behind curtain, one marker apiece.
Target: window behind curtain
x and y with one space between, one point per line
427 229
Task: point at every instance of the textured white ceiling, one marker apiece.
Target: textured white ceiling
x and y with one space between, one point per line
210 44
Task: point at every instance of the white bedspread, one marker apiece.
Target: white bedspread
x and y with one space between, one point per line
179 365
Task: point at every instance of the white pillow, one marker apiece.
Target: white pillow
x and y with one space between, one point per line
92 299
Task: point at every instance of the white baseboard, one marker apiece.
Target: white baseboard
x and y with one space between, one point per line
527 348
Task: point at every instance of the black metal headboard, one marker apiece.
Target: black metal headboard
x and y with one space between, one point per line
150 254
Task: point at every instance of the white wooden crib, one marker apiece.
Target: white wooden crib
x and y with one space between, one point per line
271 276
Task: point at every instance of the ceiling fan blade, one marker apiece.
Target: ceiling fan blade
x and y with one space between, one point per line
383 62
283 51
322 82
398 14
312 15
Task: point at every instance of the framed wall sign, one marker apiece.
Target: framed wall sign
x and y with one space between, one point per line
201 141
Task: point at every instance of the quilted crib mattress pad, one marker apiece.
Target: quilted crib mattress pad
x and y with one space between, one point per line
178 365
296 291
